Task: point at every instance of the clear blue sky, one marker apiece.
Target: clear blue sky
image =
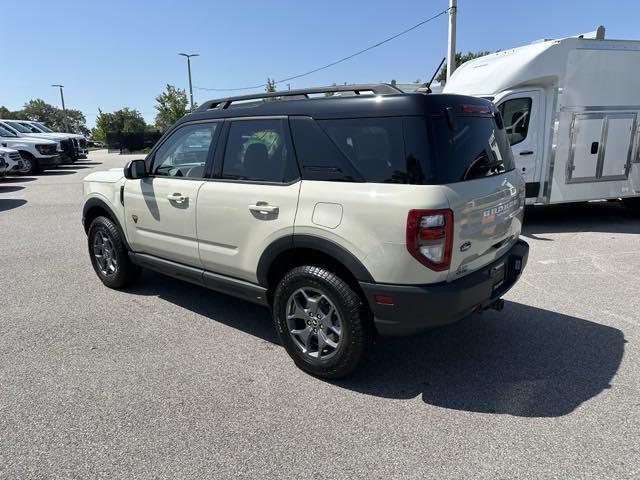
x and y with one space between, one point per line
122 53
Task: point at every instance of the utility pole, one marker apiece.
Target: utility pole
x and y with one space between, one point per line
64 110
451 57
189 68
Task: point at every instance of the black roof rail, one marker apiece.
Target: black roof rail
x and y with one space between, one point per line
375 88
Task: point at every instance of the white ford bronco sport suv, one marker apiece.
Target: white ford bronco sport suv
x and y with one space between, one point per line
366 212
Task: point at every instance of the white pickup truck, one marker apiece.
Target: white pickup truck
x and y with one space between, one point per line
79 141
65 146
37 154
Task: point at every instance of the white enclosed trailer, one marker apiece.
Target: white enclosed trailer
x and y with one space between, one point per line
571 108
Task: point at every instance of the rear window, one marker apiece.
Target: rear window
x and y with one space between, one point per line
470 147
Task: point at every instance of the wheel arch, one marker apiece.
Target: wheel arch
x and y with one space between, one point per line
295 250
95 207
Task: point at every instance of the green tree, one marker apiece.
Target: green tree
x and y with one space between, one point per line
6 113
172 104
71 121
460 59
270 87
124 120
330 94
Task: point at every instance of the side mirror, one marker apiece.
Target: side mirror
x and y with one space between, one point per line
135 169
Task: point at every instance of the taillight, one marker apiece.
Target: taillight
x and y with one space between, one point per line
430 237
474 108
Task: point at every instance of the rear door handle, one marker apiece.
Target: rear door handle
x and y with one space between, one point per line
177 198
263 208
526 152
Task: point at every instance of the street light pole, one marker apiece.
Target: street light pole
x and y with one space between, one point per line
451 57
64 110
189 55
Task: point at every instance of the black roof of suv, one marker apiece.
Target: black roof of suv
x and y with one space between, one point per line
377 100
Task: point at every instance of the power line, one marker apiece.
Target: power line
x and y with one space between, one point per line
344 59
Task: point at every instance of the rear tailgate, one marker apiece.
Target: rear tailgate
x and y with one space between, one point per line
476 168
487 220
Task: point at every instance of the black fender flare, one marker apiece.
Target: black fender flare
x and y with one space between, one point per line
323 245
95 202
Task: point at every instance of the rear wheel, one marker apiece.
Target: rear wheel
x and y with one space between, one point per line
322 323
109 255
29 164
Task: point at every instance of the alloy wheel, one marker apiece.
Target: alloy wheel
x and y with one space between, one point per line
314 323
104 253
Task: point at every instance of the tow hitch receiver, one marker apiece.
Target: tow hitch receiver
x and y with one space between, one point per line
498 305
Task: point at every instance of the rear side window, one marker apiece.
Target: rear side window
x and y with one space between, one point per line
374 146
471 147
259 150
320 158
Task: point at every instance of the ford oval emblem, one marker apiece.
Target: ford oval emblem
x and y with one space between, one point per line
465 246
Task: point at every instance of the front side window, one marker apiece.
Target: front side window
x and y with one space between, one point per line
32 128
184 154
19 128
6 133
516 113
259 150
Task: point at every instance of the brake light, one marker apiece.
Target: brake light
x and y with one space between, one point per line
472 108
430 237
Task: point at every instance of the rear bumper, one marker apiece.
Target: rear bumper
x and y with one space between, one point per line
420 307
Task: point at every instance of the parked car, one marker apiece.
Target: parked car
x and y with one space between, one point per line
349 216
65 146
37 154
96 143
572 124
10 162
79 141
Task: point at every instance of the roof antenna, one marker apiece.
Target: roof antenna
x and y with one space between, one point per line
428 85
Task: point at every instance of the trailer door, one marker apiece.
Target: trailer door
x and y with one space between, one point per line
522 114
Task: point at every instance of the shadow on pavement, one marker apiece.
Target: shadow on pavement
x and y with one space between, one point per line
525 362
59 171
241 315
10 203
87 163
10 188
606 217
19 179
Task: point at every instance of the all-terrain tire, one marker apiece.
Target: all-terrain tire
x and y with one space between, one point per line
356 332
109 255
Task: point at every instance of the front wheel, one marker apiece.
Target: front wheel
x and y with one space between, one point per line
109 255
29 164
321 321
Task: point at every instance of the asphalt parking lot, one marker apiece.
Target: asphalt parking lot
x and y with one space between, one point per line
168 380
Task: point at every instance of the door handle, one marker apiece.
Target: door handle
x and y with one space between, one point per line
526 152
177 198
263 208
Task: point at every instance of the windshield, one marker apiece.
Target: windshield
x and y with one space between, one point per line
19 127
32 128
42 127
6 133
